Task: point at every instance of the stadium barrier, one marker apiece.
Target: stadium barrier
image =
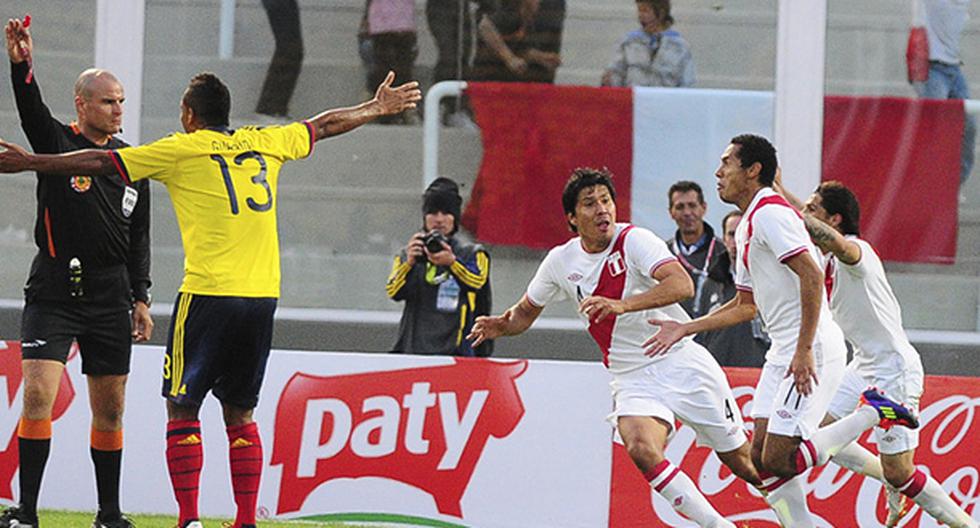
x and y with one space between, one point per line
437 441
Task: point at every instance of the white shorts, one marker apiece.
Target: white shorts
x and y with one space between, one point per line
688 384
898 378
789 412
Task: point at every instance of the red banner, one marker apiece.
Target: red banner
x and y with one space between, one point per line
840 498
533 137
901 157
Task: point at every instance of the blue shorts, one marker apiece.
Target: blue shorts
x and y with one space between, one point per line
220 344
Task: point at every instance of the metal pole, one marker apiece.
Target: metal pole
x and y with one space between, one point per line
226 30
459 48
430 126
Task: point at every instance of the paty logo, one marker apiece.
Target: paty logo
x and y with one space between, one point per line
426 427
11 395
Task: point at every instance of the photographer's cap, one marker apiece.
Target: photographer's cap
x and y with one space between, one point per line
443 195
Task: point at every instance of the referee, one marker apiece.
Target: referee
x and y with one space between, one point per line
88 282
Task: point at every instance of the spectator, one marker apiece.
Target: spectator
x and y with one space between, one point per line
745 344
390 26
451 25
701 253
945 21
653 55
513 45
706 259
287 60
444 289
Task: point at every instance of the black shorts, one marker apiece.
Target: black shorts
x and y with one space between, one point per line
218 344
104 334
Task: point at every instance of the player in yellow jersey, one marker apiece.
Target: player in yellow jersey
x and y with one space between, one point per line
222 183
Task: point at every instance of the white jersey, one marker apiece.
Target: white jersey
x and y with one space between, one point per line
866 309
770 233
625 268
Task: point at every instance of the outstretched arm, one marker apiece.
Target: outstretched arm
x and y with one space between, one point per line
738 310
515 320
387 100
90 162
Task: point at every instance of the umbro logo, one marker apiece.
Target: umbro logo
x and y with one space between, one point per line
784 414
575 277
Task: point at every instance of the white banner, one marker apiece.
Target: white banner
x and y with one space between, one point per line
370 437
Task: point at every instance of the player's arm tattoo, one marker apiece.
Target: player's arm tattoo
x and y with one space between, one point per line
829 239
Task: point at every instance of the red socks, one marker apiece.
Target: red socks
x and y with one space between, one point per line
245 456
184 459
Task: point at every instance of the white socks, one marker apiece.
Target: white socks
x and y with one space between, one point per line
672 484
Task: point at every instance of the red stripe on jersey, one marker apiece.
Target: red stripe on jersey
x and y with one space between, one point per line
828 277
309 127
774 200
47 228
120 166
612 287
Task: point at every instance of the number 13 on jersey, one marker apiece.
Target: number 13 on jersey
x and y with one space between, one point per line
242 162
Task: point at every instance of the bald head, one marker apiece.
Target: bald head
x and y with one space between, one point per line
92 80
98 102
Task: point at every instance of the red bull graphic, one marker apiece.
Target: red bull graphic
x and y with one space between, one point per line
837 497
426 427
11 379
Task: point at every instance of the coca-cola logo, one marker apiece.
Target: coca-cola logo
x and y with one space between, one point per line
11 378
837 497
426 427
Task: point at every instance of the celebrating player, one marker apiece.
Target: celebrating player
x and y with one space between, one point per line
621 275
777 270
864 306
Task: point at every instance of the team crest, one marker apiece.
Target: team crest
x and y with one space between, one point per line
616 264
81 183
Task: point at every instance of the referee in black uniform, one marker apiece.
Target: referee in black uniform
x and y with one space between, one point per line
88 283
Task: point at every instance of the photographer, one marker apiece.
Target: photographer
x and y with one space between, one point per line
443 281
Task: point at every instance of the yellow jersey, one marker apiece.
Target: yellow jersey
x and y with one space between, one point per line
223 185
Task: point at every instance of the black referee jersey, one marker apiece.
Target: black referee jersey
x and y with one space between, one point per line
101 221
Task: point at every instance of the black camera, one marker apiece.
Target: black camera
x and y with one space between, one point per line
434 240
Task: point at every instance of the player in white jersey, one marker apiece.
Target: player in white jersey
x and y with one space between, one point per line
621 275
864 306
777 271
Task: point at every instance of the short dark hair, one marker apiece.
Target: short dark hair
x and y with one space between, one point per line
209 98
661 8
724 220
684 186
837 199
583 178
757 149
